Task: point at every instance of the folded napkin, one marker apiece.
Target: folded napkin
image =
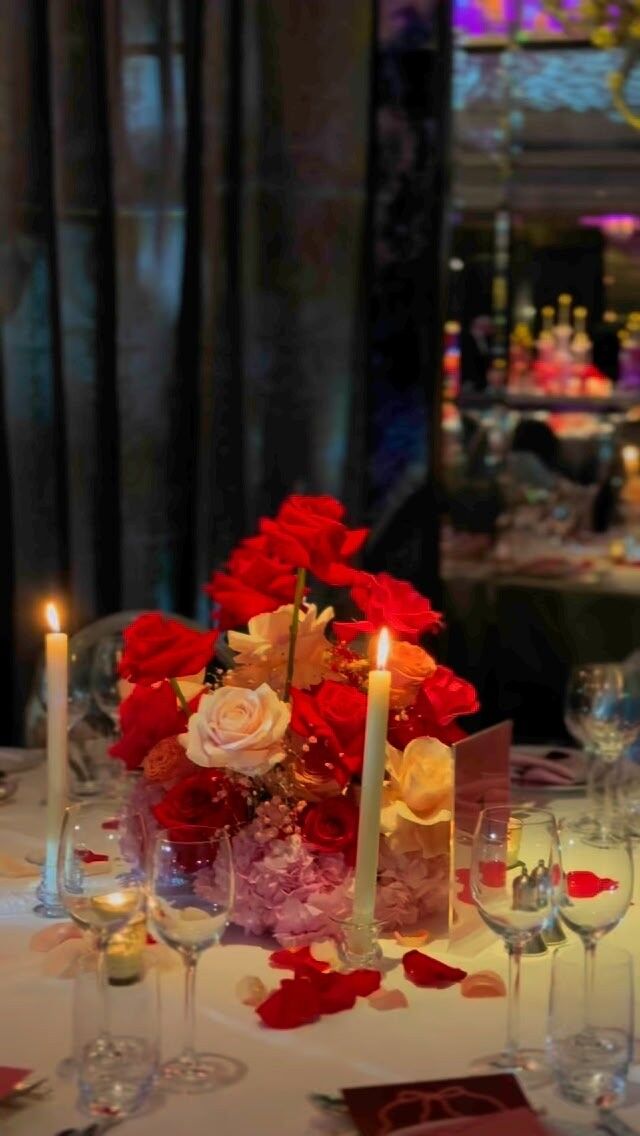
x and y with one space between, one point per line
537 766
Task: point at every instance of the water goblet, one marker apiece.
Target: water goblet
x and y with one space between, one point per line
515 881
191 895
597 886
96 884
590 1046
105 679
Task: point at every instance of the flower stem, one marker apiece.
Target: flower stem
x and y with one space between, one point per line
301 580
175 685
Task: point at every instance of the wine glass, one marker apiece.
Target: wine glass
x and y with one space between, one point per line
191 896
105 679
96 884
515 881
587 684
597 886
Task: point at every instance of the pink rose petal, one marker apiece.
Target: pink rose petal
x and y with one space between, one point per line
388 1000
50 937
483 984
417 939
251 991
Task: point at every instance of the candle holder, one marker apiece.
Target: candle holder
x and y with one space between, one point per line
358 946
49 905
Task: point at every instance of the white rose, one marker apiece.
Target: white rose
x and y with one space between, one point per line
261 655
238 729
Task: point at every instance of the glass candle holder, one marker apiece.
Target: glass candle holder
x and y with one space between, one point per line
358 946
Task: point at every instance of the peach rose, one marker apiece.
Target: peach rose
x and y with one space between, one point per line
410 665
238 729
166 761
418 794
261 654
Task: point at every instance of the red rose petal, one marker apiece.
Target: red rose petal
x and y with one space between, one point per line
111 825
151 942
295 1003
89 857
423 970
586 885
296 959
336 993
365 982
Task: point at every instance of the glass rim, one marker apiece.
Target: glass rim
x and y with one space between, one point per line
538 816
608 954
212 836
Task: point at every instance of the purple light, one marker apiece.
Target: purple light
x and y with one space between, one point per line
618 226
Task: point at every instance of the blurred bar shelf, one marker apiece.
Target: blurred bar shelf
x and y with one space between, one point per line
617 402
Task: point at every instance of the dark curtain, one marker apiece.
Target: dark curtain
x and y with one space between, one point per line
189 199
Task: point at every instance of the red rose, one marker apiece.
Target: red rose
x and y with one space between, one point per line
308 532
441 698
253 582
208 798
156 648
387 602
332 826
335 717
148 716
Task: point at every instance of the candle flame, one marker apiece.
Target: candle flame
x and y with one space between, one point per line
383 649
53 618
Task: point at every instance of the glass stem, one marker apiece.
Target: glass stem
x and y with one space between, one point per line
514 951
589 980
593 766
189 1051
103 986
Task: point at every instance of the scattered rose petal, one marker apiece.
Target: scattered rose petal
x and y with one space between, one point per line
483 984
586 885
50 937
151 942
111 825
61 961
295 1003
423 970
388 1000
251 991
325 951
463 878
418 939
89 857
297 959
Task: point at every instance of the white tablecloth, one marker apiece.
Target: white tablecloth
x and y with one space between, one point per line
437 1036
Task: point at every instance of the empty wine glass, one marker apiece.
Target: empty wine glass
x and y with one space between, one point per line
95 882
105 680
597 886
191 895
587 683
515 881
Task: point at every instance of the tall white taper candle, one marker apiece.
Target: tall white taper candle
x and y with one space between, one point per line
56 655
375 741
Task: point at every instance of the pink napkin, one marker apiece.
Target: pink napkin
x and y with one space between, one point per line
10 1078
522 1121
534 767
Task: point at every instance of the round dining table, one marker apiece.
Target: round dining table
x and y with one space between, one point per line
438 1035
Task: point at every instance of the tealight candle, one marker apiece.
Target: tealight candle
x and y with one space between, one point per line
125 952
56 665
375 741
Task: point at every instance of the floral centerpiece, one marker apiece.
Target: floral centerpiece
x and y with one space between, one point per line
271 748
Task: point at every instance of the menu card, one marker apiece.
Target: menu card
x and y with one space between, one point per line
380 1110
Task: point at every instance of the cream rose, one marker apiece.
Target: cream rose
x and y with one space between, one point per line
261 655
419 792
238 729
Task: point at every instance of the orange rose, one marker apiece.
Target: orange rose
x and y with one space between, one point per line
410 665
166 761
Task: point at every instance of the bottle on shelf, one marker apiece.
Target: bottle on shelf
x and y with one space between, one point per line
546 340
563 334
629 364
451 360
581 350
520 357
